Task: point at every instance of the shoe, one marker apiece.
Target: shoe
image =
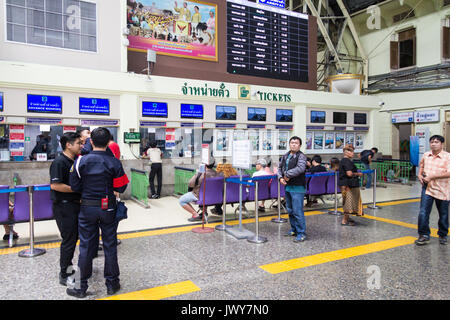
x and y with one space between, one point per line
156 196
214 211
300 238
443 240
113 289
422 240
193 219
290 233
262 209
63 280
77 293
6 236
153 196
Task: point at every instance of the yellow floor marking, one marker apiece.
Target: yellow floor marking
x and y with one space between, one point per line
158 293
341 254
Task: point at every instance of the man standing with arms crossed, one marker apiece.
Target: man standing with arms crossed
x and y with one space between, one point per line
434 175
66 203
99 177
291 173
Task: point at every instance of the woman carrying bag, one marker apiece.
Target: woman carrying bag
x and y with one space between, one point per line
349 183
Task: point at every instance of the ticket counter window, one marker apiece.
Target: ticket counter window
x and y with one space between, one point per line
173 142
4 142
42 142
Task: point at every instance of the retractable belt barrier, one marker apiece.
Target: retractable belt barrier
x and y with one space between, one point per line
32 251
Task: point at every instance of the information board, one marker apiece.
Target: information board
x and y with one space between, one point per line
192 111
44 104
266 42
154 109
94 106
241 156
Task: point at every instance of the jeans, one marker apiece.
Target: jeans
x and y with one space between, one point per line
294 206
426 203
369 175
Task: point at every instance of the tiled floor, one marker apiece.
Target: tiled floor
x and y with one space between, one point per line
377 259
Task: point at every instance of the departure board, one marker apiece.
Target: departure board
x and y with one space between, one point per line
266 42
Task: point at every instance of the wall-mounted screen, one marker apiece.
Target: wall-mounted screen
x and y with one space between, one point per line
284 115
225 113
154 109
340 117
1 101
317 116
191 111
185 29
266 42
44 104
94 106
360 118
256 114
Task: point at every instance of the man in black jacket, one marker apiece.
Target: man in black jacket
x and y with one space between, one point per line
291 173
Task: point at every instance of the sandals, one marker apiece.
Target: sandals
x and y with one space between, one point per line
349 223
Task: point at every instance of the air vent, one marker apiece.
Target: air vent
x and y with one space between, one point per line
399 17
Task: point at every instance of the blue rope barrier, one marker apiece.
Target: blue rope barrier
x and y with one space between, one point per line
13 190
41 188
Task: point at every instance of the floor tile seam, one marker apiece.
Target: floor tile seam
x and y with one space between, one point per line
336 255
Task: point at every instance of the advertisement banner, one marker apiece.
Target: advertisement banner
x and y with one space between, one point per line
177 28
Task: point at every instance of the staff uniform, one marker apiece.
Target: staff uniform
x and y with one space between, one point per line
96 176
66 207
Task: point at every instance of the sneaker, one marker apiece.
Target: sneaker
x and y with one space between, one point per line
443 240
290 233
422 240
77 293
300 238
197 218
156 196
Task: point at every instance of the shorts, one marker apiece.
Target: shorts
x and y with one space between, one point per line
187 198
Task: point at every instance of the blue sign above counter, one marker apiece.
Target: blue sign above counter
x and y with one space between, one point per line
154 109
1 101
193 111
94 106
44 104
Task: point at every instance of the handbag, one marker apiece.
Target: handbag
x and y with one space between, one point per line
121 211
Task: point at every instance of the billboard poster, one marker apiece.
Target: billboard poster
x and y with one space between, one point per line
177 28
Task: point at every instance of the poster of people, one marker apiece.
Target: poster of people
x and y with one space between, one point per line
309 137
283 141
267 141
179 28
329 140
339 140
350 139
359 141
318 140
254 139
222 143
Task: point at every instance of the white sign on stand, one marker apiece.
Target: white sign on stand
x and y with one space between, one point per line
41 156
241 156
205 153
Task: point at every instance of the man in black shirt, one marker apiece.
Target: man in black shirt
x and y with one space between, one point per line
316 167
366 157
66 203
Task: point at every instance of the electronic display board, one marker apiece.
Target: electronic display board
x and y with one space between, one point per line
266 42
360 118
225 113
94 106
192 111
154 109
317 116
1 101
340 117
44 104
284 115
256 114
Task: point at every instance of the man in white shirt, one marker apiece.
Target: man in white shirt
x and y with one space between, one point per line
155 155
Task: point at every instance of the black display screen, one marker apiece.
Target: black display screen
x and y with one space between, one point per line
284 115
360 118
266 42
340 117
256 114
317 116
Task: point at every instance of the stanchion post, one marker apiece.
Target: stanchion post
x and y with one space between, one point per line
335 212
256 238
374 194
223 226
279 219
32 251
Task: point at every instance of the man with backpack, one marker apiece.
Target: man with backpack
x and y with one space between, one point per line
366 157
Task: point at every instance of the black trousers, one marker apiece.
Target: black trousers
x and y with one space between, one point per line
66 216
90 220
155 170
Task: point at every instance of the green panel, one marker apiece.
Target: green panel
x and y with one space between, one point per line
139 186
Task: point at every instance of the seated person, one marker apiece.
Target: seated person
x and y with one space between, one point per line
316 167
7 227
193 195
334 164
227 170
261 165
